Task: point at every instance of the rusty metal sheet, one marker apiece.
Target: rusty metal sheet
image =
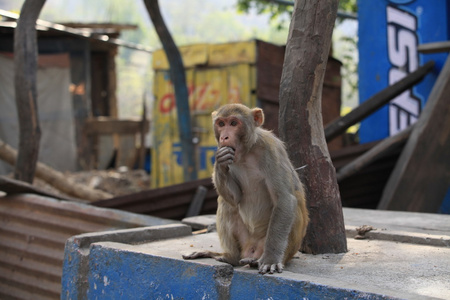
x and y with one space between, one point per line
170 202
33 232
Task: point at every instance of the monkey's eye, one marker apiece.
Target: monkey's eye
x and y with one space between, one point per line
221 123
234 123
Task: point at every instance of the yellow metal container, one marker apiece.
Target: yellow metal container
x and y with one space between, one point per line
215 75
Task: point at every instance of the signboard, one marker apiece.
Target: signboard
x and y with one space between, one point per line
389 33
215 75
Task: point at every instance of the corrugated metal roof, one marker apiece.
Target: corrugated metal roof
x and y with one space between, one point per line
86 33
33 232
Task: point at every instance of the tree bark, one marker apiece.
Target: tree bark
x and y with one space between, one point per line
25 63
306 56
178 77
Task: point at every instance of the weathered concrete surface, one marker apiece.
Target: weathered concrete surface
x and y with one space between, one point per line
371 269
409 227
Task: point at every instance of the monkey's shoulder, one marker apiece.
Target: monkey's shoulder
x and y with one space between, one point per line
267 139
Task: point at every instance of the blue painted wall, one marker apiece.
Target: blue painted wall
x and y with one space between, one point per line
129 275
113 271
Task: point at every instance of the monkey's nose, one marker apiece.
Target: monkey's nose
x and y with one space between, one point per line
224 141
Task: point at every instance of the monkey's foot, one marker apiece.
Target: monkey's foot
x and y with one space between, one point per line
270 268
252 262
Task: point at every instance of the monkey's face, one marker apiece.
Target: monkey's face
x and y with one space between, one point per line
228 131
234 127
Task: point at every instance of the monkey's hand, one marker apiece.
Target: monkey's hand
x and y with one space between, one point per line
269 266
224 157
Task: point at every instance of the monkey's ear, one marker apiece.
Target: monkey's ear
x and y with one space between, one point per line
213 114
258 116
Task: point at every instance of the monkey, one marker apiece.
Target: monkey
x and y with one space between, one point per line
261 215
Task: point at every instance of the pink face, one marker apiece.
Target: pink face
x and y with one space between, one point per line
227 131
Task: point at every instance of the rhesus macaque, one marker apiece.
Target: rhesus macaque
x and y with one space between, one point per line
261 215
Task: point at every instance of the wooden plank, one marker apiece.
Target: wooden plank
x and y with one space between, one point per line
269 65
126 151
437 47
112 126
421 177
168 202
380 150
375 102
197 202
345 155
12 186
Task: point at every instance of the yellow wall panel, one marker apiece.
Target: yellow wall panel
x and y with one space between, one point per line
232 53
192 55
209 87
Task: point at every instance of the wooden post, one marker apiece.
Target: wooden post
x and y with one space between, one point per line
301 126
375 102
143 132
178 77
421 176
197 202
25 63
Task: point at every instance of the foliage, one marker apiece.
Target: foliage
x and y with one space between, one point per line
277 11
281 10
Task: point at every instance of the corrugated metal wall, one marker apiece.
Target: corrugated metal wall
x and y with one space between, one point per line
33 232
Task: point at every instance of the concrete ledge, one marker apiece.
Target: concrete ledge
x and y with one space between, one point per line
117 271
404 227
130 264
397 226
77 252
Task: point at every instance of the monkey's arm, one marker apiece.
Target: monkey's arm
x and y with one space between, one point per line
280 225
280 185
224 181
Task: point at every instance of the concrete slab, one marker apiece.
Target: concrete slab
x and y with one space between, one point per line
371 269
409 227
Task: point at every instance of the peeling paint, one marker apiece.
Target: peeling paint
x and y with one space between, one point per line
105 281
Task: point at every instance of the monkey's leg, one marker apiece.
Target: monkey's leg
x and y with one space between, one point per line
278 232
222 257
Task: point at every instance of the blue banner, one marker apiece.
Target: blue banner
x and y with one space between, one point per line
389 34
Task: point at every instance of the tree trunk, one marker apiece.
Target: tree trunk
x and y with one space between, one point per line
25 62
302 130
178 77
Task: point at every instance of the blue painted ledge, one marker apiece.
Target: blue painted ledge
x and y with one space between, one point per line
128 264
